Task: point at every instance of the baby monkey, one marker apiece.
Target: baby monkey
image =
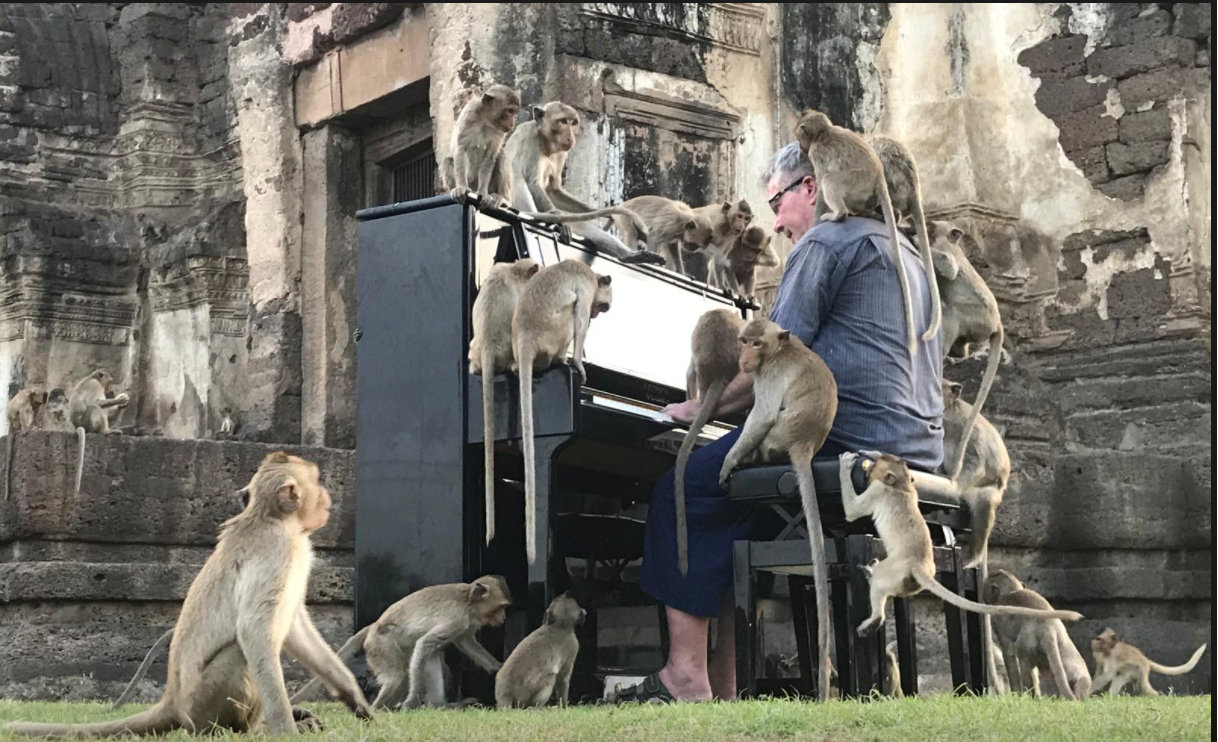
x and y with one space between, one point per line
737 270
1117 664
540 666
909 567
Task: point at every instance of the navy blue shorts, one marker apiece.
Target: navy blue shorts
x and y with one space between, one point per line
715 523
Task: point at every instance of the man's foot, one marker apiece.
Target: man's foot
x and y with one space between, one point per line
651 690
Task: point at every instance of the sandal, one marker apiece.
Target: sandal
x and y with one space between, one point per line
651 690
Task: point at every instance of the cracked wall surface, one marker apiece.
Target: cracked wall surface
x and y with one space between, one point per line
178 184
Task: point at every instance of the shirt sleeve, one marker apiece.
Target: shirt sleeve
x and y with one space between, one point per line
810 283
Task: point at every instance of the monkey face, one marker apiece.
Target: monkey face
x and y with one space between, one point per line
560 123
288 486
37 399
755 240
1104 643
104 378
489 599
604 295
892 471
759 339
739 216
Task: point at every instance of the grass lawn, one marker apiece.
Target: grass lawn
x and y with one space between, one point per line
940 717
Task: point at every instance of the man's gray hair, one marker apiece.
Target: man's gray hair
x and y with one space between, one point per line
790 162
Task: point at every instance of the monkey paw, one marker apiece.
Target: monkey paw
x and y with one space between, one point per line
357 334
725 474
848 460
306 722
460 194
645 257
564 233
866 628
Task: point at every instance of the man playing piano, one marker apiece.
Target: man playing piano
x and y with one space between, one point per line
839 294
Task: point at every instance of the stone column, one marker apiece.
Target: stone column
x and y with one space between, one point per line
333 185
271 165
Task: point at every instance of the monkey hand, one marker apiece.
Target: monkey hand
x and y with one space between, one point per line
357 334
361 709
726 472
460 194
848 460
122 399
645 257
564 233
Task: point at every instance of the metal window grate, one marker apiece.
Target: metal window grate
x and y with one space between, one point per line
415 179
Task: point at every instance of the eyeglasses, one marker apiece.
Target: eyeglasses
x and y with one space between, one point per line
776 199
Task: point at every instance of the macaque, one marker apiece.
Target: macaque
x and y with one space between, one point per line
540 666
477 162
728 221
22 411
1117 664
89 410
672 226
738 270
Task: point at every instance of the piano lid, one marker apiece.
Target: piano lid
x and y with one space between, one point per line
645 334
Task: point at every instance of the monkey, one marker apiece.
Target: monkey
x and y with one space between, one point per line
794 404
537 151
672 226
556 307
540 666
22 411
477 161
851 177
87 411
55 411
728 221
714 362
981 483
892 672
905 189
738 269
1030 646
490 353
909 567
244 607
228 423
1117 664
970 315
404 647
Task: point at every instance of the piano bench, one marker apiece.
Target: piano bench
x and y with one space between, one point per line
859 660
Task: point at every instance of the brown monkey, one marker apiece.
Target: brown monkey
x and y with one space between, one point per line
87 410
537 151
851 177
244 607
477 161
22 411
672 226
909 567
892 672
714 362
490 353
739 269
1030 647
228 423
539 668
404 647
555 308
728 221
970 315
794 404
905 189
1117 664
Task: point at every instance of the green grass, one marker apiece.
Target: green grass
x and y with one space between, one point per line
940 717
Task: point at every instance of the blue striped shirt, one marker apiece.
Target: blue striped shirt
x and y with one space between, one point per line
840 295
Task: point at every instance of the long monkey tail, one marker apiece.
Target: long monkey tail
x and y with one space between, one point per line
919 219
560 217
911 337
1060 678
140 671
710 401
80 460
987 382
933 586
488 438
524 362
159 719
345 652
1179 669
801 461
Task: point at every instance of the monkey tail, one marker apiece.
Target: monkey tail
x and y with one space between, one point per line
159 719
1178 669
987 382
562 217
911 336
919 219
80 461
142 669
987 623
488 438
524 361
1060 678
932 585
345 652
801 461
710 401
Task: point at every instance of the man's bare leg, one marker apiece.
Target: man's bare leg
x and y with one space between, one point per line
722 667
684 674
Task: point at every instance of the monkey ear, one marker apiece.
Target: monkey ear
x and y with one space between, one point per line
955 235
487 98
533 270
954 389
278 457
538 112
784 336
690 225
477 591
289 497
549 617
604 280
727 206
945 264
890 478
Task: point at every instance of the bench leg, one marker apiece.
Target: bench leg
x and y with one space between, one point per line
805 633
975 626
868 651
907 649
843 622
746 621
956 648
